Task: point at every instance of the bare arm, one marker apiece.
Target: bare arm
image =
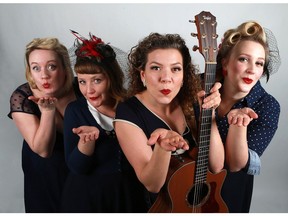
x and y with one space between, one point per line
216 151
151 166
40 134
236 152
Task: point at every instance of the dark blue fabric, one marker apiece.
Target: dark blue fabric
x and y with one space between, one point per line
43 177
238 186
134 111
103 182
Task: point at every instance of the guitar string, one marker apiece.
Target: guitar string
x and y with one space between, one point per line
202 167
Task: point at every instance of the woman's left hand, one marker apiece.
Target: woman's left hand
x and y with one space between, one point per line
241 117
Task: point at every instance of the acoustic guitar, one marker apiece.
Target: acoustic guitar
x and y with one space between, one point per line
190 186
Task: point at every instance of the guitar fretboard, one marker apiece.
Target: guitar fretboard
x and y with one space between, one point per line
205 129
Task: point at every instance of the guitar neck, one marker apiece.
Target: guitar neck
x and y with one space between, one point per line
207 37
205 128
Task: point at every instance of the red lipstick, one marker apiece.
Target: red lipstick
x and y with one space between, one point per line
165 91
93 98
46 85
247 80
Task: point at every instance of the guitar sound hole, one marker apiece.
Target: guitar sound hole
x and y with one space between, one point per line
198 194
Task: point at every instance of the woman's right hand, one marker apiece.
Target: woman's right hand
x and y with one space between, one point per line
44 103
168 140
88 136
87 133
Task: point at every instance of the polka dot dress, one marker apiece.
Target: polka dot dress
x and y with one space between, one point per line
19 101
261 130
237 188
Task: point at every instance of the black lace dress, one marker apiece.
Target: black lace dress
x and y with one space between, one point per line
43 177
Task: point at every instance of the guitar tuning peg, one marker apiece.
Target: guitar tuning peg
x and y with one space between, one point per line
195 48
192 21
194 34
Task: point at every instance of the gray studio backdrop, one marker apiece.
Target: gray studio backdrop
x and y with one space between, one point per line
123 25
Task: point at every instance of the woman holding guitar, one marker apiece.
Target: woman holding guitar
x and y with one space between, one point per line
158 121
247 117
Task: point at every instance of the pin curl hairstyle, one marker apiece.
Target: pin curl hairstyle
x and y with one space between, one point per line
251 31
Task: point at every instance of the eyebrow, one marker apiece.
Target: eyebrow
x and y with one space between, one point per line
52 60
176 63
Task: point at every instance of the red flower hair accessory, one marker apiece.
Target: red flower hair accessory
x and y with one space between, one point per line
94 48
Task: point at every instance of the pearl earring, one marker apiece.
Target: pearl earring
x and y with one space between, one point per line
144 83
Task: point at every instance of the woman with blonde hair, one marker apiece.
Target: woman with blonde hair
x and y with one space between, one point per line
37 109
247 117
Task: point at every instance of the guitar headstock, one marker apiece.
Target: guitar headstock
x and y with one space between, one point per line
207 36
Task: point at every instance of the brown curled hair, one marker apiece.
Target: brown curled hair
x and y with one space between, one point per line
138 56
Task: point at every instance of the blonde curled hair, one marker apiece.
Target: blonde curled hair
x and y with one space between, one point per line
53 44
251 31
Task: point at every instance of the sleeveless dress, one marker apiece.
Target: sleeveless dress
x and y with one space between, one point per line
133 111
43 177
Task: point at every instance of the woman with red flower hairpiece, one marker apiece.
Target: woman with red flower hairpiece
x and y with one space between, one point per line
100 178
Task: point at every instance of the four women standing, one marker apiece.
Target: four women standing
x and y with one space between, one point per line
156 121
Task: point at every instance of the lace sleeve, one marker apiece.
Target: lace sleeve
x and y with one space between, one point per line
19 101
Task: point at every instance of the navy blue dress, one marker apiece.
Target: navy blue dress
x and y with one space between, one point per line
103 182
43 177
133 111
238 186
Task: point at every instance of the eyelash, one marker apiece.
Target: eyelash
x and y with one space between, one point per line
50 67
260 63
82 82
245 59
155 68
97 81
173 69
177 69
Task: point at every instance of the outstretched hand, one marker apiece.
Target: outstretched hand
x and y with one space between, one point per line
44 103
168 140
241 117
87 133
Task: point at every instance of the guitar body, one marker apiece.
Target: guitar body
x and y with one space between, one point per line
181 194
